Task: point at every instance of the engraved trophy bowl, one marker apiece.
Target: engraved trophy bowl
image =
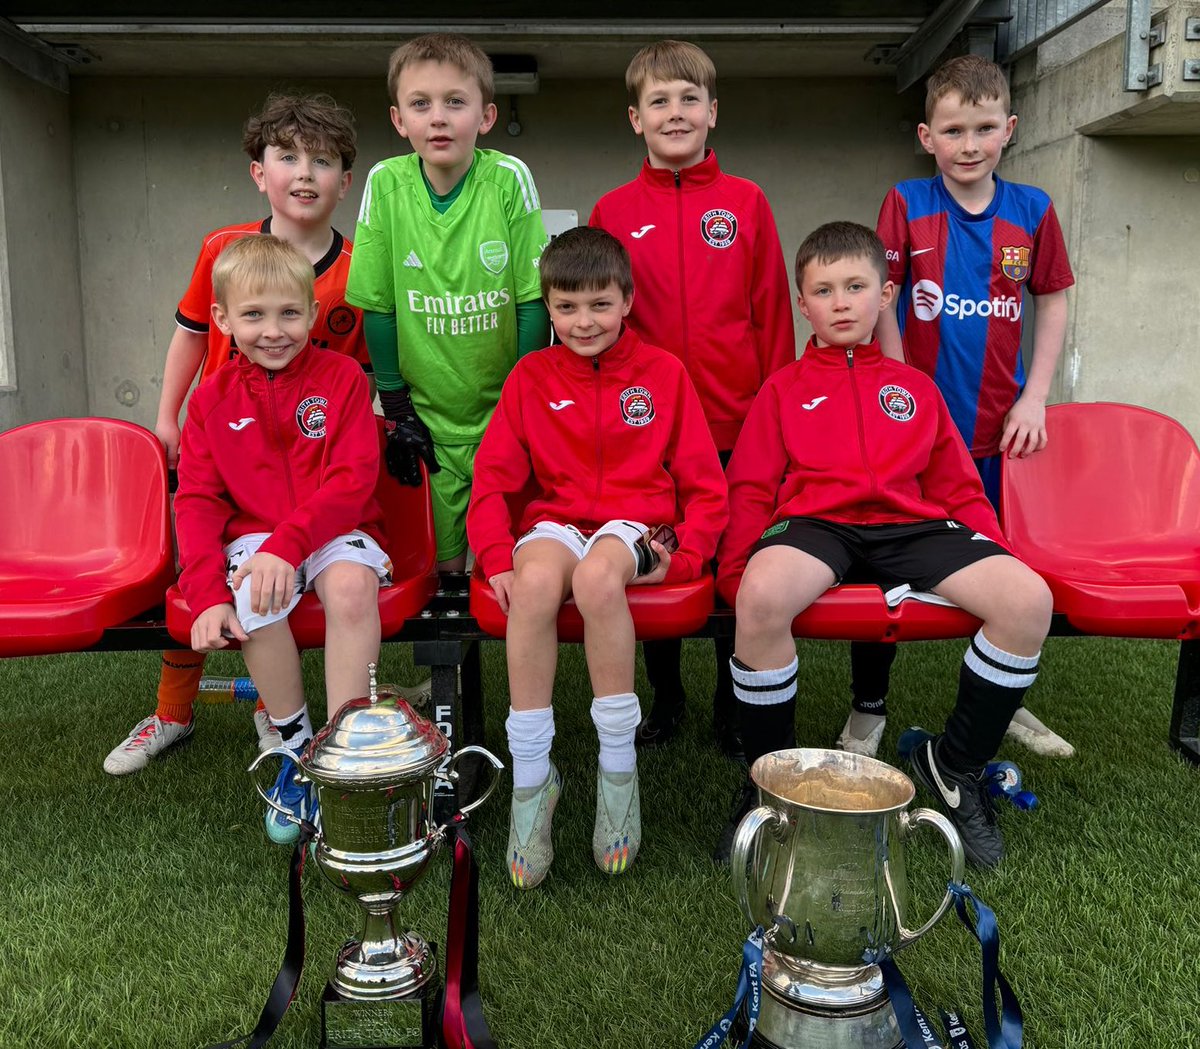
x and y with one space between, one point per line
374 766
820 863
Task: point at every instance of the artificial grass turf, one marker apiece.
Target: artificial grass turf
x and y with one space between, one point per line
150 910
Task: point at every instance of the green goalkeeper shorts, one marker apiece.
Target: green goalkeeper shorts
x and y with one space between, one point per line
450 492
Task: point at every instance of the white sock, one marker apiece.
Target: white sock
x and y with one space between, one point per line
295 730
530 733
616 718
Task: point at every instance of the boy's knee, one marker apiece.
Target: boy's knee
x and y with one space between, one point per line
761 603
1028 603
597 583
537 589
350 591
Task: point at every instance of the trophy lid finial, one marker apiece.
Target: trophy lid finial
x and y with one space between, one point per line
373 688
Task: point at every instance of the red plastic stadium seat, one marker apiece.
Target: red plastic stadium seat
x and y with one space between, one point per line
1109 515
858 612
85 535
410 543
665 610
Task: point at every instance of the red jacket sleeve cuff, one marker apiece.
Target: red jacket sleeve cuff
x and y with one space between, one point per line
496 559
683 568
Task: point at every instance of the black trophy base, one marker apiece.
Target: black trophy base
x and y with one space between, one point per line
410 1022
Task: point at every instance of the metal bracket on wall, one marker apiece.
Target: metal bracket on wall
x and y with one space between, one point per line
1191 69
1140 38
1191 29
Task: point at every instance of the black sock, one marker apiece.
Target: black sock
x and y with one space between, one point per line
766 707
662 671
870 674
991 686
723 694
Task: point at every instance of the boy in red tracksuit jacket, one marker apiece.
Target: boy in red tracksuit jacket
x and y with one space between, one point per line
712 288
848 459
598 427
276 496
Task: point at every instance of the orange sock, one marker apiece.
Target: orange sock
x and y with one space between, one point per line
179 684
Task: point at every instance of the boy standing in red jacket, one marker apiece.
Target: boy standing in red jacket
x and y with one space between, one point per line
277 474
849 458
593 429
712 288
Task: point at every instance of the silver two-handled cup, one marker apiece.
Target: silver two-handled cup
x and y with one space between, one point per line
374 767
820 865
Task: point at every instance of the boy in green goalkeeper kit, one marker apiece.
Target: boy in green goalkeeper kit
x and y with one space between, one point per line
445 270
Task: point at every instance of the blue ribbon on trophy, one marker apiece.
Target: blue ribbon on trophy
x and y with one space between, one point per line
1004 1030
749 990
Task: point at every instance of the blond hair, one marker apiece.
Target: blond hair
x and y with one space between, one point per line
670 60
973 78
316 122
450 49
256 264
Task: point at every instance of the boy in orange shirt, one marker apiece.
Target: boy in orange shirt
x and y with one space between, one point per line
301 148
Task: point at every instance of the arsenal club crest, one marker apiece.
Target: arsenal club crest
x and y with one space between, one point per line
897 403
637 406
1014 263
718 227
310 417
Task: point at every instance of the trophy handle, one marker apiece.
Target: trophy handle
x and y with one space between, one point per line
743 840
908 822
451 775
277 752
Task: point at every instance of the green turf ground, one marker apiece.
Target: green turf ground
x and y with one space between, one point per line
150 910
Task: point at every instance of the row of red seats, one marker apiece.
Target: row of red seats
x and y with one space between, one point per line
1109 514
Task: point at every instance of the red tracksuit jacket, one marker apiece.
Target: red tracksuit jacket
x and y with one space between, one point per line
848 436
586 440
294 453
712 286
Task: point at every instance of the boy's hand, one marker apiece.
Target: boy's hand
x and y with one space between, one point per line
501 584
1024 428
660 571
272 582
408 438
167 431
211 626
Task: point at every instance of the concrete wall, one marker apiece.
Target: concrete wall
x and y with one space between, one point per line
158 164
41 245
1130 208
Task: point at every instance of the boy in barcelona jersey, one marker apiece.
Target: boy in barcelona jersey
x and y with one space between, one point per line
969 253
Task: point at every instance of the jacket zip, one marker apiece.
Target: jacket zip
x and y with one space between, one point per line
598 387
858 415
278 435
683 317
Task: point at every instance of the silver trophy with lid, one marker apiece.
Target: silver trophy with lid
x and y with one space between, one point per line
374 766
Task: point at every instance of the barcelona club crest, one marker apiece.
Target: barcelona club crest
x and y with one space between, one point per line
898 403
637 406
310 416
1014 263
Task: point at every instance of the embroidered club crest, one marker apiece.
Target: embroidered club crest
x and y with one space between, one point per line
637 406
1014 263
897 403
494 255
310 417
718 227
341 320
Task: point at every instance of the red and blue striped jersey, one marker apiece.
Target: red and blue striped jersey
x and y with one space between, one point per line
962 283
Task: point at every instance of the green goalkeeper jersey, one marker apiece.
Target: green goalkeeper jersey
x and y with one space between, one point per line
453 280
